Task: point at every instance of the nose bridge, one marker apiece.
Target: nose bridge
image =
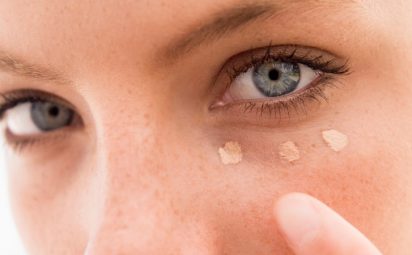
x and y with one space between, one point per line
128 152
140 211
131 126
128 141
136 213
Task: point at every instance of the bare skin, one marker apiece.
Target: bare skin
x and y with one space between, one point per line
137 171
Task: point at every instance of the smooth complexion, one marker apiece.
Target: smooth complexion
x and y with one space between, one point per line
139 172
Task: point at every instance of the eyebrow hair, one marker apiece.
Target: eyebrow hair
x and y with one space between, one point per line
15 66
227 20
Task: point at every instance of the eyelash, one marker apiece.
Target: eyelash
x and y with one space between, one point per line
14 98
296 100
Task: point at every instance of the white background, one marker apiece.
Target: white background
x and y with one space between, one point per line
9 241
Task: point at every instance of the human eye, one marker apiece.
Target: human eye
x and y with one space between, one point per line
280 81
31 116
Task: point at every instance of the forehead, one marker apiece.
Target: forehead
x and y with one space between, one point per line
63 19
58 31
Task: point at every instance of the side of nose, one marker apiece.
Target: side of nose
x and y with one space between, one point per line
139 210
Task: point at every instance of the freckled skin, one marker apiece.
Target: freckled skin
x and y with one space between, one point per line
144 177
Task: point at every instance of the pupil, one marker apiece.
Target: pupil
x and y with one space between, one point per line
54 111
274 74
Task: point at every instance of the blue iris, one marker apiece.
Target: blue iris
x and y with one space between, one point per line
48 116
276 78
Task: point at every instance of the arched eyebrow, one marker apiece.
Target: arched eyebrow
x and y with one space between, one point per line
222 22
233 19
15 66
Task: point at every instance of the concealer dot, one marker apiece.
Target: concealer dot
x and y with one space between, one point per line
231 153
289 151
336 140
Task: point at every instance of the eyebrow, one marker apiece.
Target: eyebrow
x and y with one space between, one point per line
15 66
222 22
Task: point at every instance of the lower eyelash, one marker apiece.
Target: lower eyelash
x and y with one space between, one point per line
294 103
18 144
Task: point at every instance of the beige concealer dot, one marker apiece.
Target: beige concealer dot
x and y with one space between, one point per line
231 153
335 139
289 151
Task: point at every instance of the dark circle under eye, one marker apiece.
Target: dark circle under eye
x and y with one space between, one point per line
276 78
49 116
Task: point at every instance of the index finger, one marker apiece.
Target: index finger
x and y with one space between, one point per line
312 228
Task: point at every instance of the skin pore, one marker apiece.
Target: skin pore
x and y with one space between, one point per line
139 173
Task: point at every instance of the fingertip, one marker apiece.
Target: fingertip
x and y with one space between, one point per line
297 218
311 227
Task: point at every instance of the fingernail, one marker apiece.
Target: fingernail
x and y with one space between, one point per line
297 219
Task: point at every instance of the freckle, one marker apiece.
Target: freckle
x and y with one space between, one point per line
335 139
289 151
231 153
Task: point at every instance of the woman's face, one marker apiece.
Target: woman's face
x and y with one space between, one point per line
115 111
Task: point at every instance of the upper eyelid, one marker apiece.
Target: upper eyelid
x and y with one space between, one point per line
300 54
13 98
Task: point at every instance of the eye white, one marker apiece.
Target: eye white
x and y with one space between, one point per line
19 121
243 87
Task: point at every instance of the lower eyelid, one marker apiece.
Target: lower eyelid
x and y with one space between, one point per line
53 138
294 107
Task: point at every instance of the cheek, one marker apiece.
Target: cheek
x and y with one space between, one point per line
368 183
46 192
369 189
357 187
